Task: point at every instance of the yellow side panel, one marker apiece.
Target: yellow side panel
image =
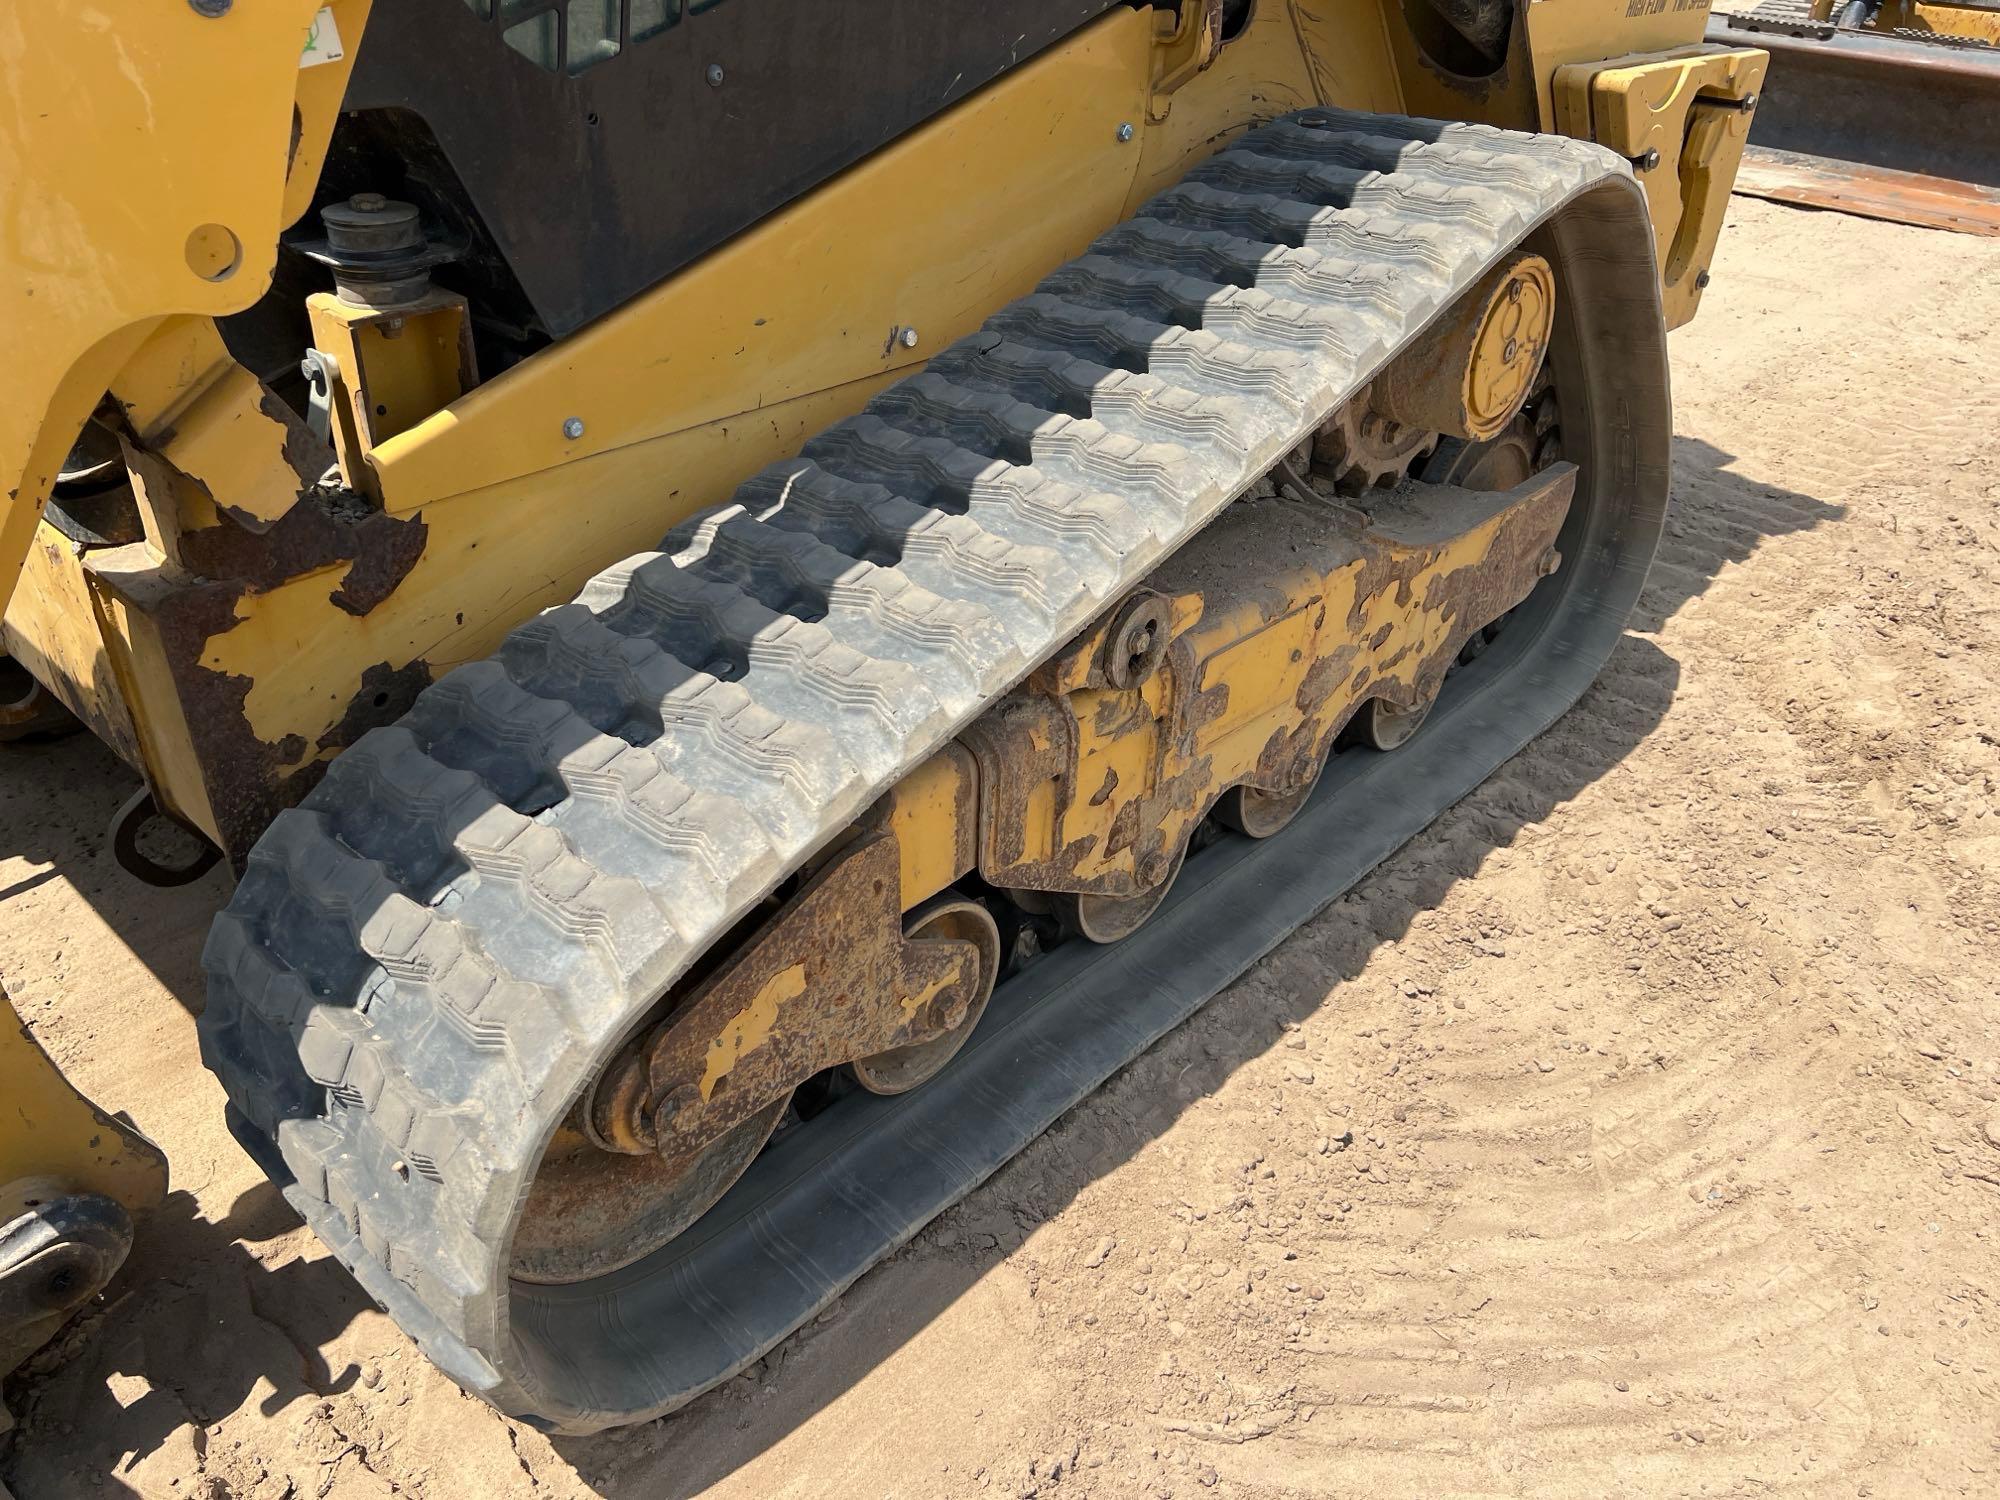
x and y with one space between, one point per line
121 576
490 559
188 399
928 235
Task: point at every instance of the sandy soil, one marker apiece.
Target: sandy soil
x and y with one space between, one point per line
1633 1130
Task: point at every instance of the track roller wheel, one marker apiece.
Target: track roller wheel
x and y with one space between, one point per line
954 919
1107 919
1382 726
591 1211
1257 813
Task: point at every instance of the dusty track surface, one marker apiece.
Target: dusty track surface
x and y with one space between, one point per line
1635 1129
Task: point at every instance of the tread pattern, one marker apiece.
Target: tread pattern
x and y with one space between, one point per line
425 961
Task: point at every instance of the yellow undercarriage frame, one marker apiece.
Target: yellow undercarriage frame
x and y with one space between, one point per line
252 634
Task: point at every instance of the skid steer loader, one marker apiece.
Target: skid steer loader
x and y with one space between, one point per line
760 595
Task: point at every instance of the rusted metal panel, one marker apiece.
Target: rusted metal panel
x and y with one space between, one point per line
830 979
172 617
1870 192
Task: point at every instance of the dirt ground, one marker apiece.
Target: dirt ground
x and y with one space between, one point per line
1634 1130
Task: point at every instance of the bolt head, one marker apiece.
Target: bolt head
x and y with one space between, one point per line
573 428
1701 278
1649 161
368 203
714 75
210 8
907 338
1511 348
1125 132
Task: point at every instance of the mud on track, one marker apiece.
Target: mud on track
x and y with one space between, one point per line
1635 1128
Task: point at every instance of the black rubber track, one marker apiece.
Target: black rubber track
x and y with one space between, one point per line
427 961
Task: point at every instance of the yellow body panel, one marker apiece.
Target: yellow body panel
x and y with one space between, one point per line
1561 33
929 234
125 582
192 405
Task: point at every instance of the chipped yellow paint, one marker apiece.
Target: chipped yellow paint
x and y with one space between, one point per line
1262 669
913 1003
190 402
751 1026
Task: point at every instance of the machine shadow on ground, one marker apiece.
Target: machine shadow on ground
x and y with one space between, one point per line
289 1313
